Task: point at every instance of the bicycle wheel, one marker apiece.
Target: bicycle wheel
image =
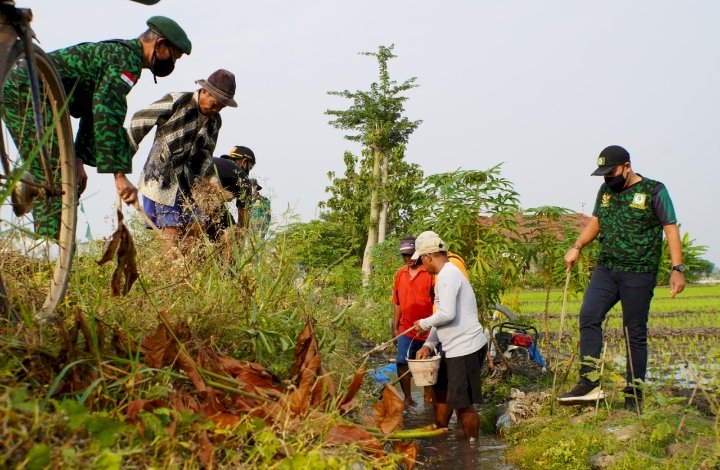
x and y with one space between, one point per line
39 201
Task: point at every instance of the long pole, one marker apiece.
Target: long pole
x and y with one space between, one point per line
562 321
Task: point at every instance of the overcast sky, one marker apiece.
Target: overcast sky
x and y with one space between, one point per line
542 86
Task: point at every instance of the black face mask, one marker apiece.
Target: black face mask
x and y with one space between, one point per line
616 183
161 67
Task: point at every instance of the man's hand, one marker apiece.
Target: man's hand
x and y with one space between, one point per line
419 328
571 257
422 353
677 283
81 175
126 190
395 332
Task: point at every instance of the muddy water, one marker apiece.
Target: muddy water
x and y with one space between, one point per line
452 451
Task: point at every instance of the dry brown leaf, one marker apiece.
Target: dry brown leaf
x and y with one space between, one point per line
389 411
126 272
225 420
211 404
409 451
306 348
136 406
258 378
159 349
323 389
299 399
206 451
341 434
122 344
84 327
353 388
183 401
187 365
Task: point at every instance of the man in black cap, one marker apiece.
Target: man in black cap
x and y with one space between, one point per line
187 124
630 215
231 173
97 77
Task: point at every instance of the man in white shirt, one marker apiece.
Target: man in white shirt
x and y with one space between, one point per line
456 326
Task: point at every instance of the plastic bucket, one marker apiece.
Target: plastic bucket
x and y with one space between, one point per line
424 371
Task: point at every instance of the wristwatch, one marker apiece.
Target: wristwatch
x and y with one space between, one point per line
679 268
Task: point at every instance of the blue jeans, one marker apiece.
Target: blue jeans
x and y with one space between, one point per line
404 344
634 291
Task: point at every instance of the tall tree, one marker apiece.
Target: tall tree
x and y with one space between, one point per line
349 194
375 119
476 212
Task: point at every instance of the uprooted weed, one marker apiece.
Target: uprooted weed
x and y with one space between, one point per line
153 378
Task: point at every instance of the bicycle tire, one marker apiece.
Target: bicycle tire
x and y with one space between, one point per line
39 285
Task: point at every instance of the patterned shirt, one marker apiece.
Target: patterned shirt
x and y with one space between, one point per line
183 146
97 78
631 225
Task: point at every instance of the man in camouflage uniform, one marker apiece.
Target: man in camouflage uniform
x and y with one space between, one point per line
97 78
260 213
187 125
630 215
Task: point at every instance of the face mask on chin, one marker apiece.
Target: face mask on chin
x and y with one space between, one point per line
161 67
616 183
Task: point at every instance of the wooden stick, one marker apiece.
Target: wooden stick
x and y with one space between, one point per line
562 320
387 343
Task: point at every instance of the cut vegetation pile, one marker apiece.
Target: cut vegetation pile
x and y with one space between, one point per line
172 399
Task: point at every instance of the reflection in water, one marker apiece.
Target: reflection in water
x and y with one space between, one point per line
452 451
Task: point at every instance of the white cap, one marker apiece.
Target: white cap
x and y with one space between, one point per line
428 242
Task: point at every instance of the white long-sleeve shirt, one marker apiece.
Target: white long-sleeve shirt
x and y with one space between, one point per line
455 322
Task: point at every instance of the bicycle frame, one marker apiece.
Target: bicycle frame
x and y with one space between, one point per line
16 33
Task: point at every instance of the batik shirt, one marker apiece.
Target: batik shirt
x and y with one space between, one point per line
631 225
97 78
183 146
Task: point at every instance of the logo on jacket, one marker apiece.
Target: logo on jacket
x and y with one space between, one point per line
639 201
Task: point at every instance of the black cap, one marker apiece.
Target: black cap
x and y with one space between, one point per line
609 158
239 152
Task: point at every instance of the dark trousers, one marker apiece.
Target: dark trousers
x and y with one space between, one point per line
634 291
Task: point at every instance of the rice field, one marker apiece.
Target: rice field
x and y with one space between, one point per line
683 339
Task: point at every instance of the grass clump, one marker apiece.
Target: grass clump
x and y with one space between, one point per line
70 399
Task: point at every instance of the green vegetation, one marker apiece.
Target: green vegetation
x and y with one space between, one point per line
66 399
679 426
87 394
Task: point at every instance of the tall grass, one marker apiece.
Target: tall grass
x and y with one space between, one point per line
247 299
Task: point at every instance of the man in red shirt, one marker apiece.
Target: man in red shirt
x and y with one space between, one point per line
412 300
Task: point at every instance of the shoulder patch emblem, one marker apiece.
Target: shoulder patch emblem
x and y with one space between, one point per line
128 78
639 201
605 202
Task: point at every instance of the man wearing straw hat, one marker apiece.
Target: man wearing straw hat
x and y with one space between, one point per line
630 215
412 299
187 129
455 327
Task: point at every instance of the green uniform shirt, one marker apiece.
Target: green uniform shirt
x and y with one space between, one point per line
631 225
102 74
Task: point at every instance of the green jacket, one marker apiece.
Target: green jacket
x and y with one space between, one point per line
631 225
97 76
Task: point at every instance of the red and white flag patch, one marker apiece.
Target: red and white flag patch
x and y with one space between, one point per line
128 78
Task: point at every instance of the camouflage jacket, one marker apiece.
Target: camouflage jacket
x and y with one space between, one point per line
183 146
631 225
97 78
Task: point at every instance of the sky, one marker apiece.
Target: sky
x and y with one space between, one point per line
541 86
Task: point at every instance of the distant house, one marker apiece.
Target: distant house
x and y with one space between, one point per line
529 227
